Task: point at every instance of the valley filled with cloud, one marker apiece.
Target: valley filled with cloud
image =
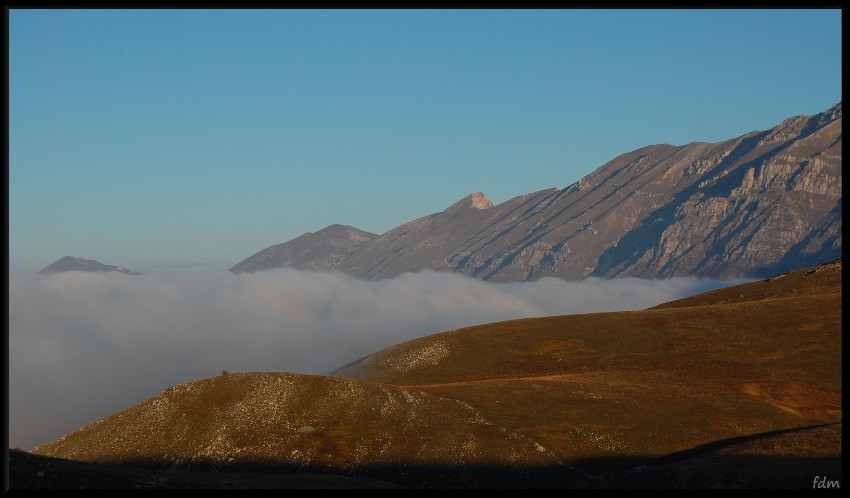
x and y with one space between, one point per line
86 345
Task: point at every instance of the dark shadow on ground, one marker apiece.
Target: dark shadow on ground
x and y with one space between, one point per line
705 466
29 471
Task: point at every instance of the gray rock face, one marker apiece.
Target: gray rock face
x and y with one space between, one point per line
756 205
70 263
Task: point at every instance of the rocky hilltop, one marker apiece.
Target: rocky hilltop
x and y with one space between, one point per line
755 205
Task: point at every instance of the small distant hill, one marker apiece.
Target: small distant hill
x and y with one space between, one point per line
70 263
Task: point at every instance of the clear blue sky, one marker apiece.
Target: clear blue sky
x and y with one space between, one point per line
149 138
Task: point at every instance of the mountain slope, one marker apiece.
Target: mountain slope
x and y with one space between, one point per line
70 263
744 360
755 205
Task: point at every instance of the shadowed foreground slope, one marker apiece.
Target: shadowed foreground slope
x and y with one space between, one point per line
740 387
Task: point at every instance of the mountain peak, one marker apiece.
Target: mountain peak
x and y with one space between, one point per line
311 251
480 201
476 200
70 263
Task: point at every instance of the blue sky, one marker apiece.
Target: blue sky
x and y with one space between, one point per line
174 140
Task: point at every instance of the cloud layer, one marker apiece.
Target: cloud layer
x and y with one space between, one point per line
85 345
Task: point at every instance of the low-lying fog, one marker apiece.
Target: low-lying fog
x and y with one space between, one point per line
85 345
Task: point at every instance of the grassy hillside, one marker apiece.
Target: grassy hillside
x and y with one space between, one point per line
742 360
284 422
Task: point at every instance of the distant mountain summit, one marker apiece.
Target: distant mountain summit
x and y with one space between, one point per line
759 204
322 250
476 200
70 263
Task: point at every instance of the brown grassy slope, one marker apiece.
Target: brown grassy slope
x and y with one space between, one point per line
642 383
303 421
821 279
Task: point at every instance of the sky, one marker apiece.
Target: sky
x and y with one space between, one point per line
184 141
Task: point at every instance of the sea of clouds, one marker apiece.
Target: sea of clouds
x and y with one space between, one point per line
85 345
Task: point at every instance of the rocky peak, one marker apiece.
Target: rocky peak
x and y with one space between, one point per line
480 201
475 200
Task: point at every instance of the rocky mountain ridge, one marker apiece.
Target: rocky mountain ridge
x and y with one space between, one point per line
765 202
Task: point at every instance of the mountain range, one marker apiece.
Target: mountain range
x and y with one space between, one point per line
755 205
